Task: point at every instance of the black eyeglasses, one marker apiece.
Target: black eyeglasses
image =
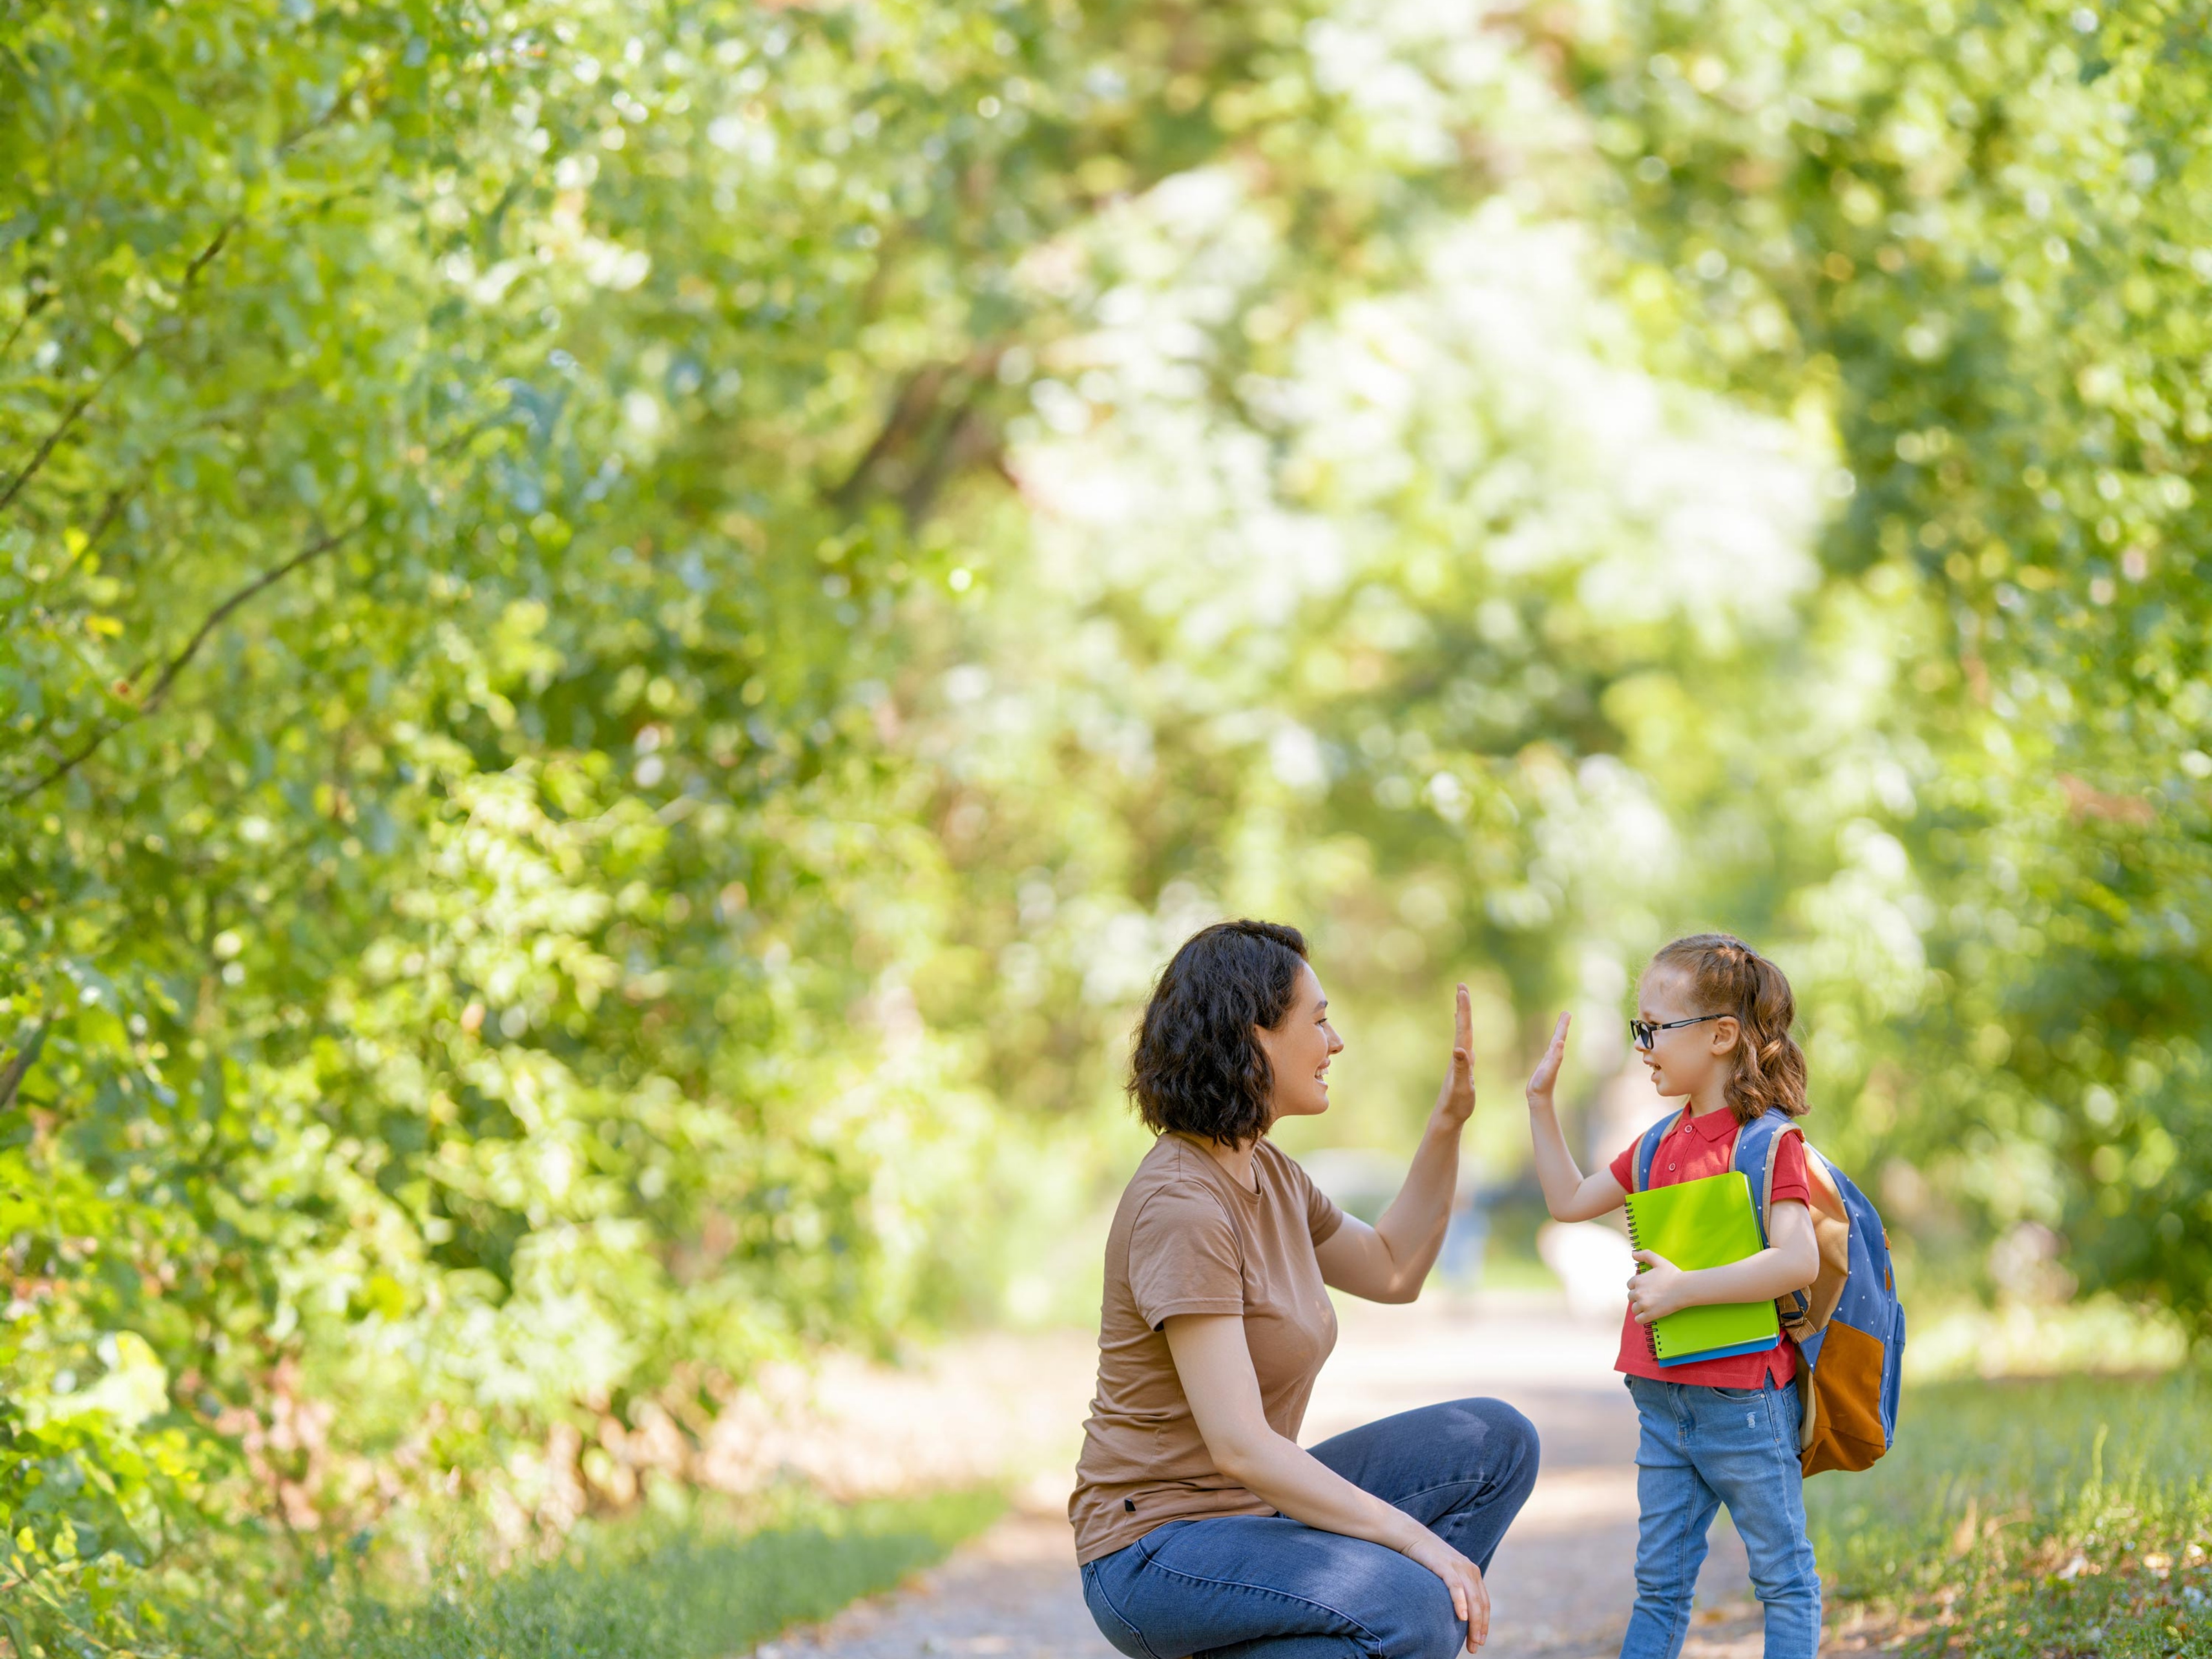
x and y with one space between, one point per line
1646 1033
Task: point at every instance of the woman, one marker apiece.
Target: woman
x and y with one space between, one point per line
1200 1525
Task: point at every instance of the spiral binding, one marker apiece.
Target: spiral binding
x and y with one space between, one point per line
1651 1331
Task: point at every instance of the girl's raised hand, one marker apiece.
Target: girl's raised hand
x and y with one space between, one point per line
1547 1069
1456 1100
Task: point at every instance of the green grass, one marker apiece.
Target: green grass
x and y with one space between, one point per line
2054 1518
693 1585
699 1580
651 1589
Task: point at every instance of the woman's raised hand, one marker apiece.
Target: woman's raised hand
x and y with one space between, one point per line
1547 1069
1456 1100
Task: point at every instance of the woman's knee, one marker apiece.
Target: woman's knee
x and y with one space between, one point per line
1427 1628
1480 1465
1503 1441
1398 1607
1516 1435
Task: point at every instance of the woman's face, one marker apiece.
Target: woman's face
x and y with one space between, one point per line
1681 1061
1299 1050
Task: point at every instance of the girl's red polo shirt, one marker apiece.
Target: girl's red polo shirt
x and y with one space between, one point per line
1694 1147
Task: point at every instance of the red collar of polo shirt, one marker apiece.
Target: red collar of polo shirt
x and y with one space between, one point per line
1713 1126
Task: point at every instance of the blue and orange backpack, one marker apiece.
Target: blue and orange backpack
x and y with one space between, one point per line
1848 1324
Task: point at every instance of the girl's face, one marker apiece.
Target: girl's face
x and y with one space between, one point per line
1299 1050
1684 1060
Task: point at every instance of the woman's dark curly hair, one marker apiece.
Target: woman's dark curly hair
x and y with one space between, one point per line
1198 1069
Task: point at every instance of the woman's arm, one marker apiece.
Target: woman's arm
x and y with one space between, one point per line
1791 1262
1390 1261
1568 1193
1215 1368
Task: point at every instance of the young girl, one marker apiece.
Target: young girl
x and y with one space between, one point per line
1712 1026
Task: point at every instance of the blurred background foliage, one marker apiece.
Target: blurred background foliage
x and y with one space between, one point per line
635 626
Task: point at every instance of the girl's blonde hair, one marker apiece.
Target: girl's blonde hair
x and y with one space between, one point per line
1726 976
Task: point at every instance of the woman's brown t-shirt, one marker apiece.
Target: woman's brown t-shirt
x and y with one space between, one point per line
1188 1239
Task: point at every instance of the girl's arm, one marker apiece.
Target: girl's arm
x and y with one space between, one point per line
1568 1193
1389 1262
1214 1366
1791 1262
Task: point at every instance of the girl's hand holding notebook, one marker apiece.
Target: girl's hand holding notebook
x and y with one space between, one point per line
1700 1225
1657 1290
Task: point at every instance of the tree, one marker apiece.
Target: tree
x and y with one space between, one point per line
1976 232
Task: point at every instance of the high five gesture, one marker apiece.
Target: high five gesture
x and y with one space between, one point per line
1389 1262
1456 1100
1567 1194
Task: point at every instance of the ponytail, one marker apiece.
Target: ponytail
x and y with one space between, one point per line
1726 976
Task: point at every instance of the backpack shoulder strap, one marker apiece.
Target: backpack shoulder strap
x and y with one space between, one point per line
1756 1144
1647 1150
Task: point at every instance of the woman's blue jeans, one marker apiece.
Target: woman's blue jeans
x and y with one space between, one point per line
1701 1448
1266 1587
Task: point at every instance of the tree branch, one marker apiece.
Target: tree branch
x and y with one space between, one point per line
158 692
200 262
215 619
12 1078
118 499
63 426
932 416
917 399
32 306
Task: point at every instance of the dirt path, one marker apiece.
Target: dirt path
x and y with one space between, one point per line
1561 1585
1563 1581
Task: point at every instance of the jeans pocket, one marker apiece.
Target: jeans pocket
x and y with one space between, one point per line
1125 1636
1789 1417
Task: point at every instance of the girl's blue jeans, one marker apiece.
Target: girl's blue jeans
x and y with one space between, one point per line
1267 1587
1700 1448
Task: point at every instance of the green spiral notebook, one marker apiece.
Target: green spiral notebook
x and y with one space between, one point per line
1707 1223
